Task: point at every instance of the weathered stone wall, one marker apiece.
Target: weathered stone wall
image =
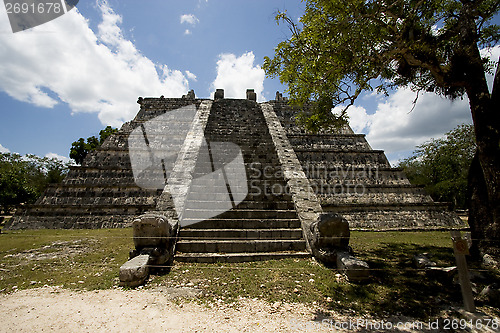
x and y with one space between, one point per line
350 178
101 193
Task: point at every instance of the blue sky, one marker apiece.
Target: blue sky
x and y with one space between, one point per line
72 76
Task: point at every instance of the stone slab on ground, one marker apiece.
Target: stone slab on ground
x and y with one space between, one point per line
134 272
355 269
422 261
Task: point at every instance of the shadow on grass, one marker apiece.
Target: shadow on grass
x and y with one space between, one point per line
396 286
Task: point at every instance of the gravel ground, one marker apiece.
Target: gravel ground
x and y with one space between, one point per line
52 309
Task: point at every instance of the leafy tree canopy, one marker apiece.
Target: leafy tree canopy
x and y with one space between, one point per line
442 165
105 133
343 48
79 149
24 178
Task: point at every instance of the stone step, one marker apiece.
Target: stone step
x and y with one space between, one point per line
221 188
322 153
397 206
216 223
360 187
98 169
366 162
333 169
54 216
342 144
98 181
238 246
246 204
238 257
243 214
397 216
315 171
402 219
325 136
387 182
84 208
347 157
356 197
205 167
73 221
275 194
108 188
97 201
100 202
248 234
253 176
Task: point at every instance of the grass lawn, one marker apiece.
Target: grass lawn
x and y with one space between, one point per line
90 259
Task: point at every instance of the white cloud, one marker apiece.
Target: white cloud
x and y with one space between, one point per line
237 74
201 3
358 118
187 32
3 149
191 76
395 127
189 19
64 60
64 159
494 55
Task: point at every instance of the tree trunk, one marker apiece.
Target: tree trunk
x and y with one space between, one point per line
479 216
484 175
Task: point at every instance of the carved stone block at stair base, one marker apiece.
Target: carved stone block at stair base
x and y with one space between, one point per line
151 230
330 234
155 235
331 231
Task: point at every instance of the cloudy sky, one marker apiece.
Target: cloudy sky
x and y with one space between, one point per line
70 77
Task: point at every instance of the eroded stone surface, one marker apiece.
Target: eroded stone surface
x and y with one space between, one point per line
330 235
331 231
155 235
152 230
134 272
422 261
355 269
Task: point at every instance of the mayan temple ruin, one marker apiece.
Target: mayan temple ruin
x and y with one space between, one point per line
241 177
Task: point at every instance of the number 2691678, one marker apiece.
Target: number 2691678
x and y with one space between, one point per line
34 8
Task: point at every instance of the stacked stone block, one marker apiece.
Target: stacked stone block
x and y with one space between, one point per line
352 179
102 192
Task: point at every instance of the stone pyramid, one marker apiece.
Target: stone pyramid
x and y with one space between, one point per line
243 179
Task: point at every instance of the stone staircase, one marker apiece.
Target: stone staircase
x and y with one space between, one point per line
264 225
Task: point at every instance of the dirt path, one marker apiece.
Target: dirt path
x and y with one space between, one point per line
52 309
